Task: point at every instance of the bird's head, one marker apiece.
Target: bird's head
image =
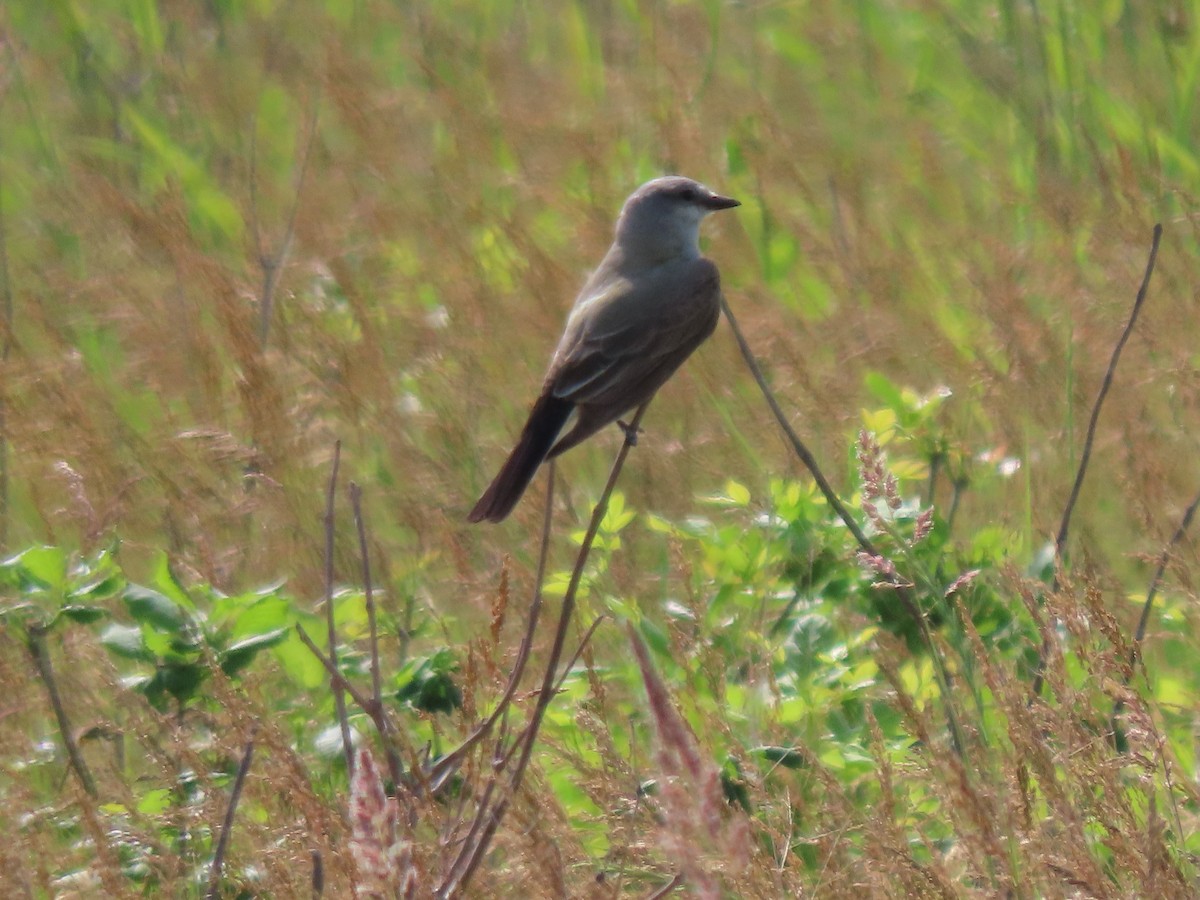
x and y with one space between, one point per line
661 219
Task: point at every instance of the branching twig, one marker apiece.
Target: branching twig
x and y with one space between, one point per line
338 697
566 671
335 676
41 659
450 762
214 874
472 852
587 637
423 779
376 712
1060 541
383 723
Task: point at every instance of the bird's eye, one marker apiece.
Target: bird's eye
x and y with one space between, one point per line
689 194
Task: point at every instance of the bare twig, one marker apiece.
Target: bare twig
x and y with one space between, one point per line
565 673
587 637
831 497
1144 620
1064 528
451 761
338 697
1060 541
383 723
335 676
376 711
318 874
214 874
6 341
798 447
368 593
667 888
472 852
41 659
272 265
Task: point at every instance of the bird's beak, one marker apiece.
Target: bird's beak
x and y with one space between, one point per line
716 201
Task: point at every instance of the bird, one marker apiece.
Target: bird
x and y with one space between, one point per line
653 300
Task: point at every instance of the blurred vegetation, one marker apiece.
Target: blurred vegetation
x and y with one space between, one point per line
235 232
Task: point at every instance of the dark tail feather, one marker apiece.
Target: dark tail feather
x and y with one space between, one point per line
546 420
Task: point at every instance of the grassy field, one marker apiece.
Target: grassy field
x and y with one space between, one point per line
234 234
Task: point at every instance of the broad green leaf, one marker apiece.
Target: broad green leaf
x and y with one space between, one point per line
163 578
84 615
39 568
153 608
239 655
154 801
127 641
301 666
264 614
177 681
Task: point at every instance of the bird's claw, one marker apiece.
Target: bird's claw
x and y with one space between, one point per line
631 433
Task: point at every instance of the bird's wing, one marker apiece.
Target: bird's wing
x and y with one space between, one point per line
627 338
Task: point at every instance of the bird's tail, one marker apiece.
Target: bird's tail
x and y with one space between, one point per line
546 420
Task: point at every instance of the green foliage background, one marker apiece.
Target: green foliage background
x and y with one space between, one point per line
233 233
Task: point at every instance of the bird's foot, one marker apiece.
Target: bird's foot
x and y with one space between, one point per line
630 433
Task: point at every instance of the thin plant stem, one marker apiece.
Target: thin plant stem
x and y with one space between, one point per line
41 659
472 853
451 761
272 264
810 462
339 698
376 712
6 342
676 881
214 875
1064 528
1135 652
382 722
368 592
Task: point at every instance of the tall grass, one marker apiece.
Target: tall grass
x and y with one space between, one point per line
234 233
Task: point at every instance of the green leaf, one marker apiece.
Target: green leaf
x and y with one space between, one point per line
179 681
783 756
84 615
38 569
237 656
126 641
153 608
738 494
163 578
655 637
301 666
101 589
154 801
263 614
427 684
884 390
215 213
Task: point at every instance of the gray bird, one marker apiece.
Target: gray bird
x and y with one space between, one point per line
652 301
